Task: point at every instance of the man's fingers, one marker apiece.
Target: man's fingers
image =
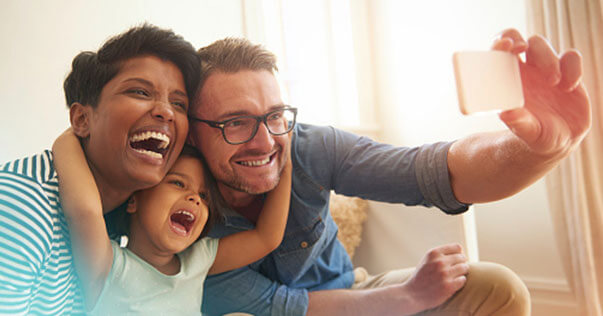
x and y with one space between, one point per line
518 44
448 249
522 123
503 44
542 56
459 269
457 258
458 283
571 70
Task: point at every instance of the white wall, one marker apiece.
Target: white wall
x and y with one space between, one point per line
40 39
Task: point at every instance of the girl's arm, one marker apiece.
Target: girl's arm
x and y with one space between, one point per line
243 248
81 203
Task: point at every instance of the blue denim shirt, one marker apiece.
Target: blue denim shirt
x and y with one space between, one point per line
310 257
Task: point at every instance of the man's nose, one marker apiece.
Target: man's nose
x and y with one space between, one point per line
262 140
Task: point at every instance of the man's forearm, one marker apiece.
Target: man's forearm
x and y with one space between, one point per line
491 166
389 300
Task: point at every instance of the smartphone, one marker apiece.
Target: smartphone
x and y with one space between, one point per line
487 81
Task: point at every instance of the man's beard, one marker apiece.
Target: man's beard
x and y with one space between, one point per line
240 183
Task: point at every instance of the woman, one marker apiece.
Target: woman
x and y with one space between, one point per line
127 104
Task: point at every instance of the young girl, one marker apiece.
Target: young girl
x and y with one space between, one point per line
165 263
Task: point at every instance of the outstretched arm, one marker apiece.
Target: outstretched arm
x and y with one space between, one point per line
554 120
438 276
240 249
83 210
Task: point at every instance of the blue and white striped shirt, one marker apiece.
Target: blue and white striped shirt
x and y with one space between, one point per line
37 276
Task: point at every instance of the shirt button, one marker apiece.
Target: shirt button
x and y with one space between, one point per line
304 244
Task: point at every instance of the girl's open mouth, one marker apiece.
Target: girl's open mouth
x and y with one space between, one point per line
182 222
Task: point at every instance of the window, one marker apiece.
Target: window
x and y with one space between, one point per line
314 44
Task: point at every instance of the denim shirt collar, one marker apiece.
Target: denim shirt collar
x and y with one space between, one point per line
230 218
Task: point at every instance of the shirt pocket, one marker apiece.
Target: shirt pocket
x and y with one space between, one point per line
299 250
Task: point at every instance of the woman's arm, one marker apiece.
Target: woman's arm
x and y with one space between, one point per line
240 249
83 210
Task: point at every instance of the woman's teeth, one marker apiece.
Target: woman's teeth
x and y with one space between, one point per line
150 143
163 139
149 153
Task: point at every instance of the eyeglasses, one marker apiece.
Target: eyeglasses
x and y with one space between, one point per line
241 129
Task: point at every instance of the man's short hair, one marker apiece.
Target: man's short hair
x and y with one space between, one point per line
90 71
231 54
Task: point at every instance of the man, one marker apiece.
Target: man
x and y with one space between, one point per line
128 104
233 125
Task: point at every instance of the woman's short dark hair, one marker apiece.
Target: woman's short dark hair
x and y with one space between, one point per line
90 71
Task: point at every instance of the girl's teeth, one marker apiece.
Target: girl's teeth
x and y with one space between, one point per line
179 229
189 214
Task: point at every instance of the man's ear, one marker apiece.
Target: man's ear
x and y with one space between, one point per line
132 205
79 115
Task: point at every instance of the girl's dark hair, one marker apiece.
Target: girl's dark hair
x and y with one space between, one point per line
90 71
216 201
118 220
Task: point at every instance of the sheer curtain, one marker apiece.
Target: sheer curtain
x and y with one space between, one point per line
576 186
316 51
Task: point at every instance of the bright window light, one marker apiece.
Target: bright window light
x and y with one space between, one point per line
319 59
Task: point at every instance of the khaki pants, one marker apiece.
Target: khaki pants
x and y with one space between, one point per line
491 289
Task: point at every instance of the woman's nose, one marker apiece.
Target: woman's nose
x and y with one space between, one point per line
163 111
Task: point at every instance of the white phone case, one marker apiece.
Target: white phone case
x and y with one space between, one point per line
487 81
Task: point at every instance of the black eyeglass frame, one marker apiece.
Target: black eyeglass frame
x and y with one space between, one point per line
259 118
